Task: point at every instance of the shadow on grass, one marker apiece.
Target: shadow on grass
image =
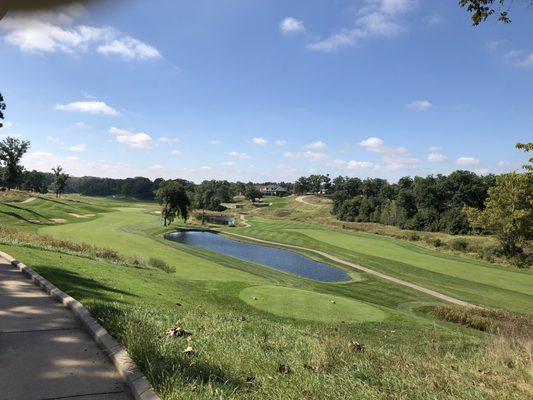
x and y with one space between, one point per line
20 217
81 288
24 209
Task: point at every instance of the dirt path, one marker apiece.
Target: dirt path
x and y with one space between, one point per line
301 199
29 200
243 221
364 269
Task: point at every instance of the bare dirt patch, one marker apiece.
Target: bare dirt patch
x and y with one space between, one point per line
29 200
58 220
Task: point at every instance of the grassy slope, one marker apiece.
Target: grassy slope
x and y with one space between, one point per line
406 356
409 355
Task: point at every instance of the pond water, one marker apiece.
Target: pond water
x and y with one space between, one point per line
221 220
283 260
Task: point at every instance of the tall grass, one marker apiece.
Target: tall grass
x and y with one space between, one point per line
13 236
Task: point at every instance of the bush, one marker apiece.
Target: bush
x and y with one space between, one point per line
161 264
435 242
459 245
413 236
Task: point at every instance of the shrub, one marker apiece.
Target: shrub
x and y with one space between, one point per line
413 236
435 242
459 245
161 264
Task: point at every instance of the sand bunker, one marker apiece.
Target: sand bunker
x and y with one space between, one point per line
82 215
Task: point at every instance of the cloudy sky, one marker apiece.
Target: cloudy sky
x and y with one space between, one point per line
263 90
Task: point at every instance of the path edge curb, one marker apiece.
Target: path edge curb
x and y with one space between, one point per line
128 370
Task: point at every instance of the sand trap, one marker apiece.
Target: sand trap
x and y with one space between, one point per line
82 215
29 200
58 220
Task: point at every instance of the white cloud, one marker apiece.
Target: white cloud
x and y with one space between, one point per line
134 140
228 163
420 105
377 145
436 157
396 162
353 164
55 31
205 168
214 141
376 18
319 144
259 141
467 161
176 152
280 142
72 158
504 163
291 25
8 125
157 167
89 107
79 148
130 49
435 149
240 156
520 58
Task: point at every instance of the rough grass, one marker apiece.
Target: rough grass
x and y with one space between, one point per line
488 320
161 264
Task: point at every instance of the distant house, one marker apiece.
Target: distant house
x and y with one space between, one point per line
273 190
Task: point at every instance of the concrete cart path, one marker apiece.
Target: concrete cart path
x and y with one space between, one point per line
45 353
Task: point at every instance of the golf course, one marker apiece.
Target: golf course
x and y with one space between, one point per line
334 340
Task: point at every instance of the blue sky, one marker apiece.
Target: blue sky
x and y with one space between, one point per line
261 90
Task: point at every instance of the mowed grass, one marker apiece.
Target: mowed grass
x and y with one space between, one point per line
111 230
304 304
471 280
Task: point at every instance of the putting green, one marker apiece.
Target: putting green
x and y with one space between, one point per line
302 304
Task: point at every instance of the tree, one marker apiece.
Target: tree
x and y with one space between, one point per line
11 151
2 109
527 147
252 193
508 211
174 201
60 181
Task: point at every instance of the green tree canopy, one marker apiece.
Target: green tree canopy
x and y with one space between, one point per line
173 198
508 211
2 109
252 193
60 180
11 152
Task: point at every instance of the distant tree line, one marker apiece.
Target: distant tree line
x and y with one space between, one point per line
432 203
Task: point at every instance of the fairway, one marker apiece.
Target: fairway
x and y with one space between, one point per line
390 249
302 304
109 230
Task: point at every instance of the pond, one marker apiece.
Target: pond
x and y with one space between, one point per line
283 260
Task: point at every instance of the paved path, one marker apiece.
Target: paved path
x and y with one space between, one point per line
364 269
45 354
